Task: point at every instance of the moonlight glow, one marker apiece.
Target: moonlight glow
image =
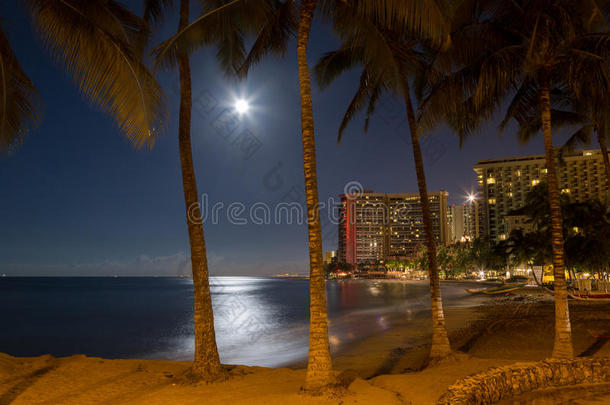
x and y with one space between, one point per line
242 106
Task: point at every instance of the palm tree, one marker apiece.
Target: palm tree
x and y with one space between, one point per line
216 26
388 59
588 245
272 22
586 226
319 366
522 49
94 43
206 364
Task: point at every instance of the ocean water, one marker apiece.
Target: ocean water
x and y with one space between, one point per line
259 321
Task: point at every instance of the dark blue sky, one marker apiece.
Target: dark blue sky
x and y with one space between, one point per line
77 199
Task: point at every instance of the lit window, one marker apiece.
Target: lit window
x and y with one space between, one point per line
491 180
492 200
535 182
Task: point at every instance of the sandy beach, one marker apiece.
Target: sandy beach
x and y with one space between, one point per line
385 368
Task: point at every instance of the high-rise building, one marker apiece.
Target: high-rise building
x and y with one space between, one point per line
463 221
504 184
456 219
329 255
378 226
472 219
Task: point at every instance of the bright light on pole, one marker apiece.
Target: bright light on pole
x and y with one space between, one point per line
471 197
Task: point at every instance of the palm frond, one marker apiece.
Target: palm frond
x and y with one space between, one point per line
582 137
91 40
387 57
273 36
154 10
524 103
231 51
332 64
499 74
530 126
449 100
154 13
392 53
221 22
423 18
358 102
19 100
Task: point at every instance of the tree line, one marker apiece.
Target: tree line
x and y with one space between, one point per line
542 63
586 230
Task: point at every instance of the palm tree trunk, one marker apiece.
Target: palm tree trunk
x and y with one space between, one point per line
603 145
319 365
563 333
440 340
535 278
206 361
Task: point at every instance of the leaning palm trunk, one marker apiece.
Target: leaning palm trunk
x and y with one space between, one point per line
563 334
207 362
319 365
440 341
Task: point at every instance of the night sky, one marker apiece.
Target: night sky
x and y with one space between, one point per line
78 199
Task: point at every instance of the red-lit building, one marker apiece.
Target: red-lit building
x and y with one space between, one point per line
379 226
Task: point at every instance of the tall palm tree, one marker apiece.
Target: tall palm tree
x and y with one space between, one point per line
521 49
272 32
94 42
206 359
389 59
319 366
220 32
216 26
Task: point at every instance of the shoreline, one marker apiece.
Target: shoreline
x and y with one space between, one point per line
384 368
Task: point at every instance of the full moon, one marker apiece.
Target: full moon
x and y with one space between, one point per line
242 106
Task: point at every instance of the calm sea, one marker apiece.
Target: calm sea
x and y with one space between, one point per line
259 321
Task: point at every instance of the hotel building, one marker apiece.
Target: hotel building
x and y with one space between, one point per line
378 226
504 184
464 222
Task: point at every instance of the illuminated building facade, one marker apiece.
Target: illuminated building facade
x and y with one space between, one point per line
378 226
329 255
473 219
504 184
457 223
